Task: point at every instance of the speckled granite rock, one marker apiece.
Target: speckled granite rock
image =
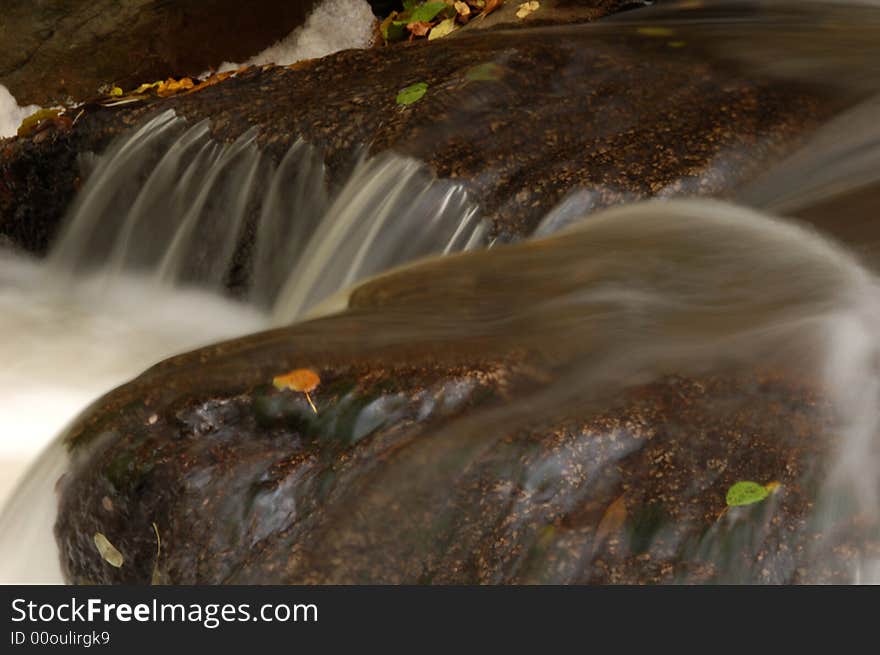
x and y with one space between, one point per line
416 470
623 116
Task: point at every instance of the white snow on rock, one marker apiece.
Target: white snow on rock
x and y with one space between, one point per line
334 25
11 115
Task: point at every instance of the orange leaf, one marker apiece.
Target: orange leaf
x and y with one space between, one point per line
216 78
300 379
172 86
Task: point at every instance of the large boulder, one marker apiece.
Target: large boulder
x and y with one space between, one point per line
59 49
520 118
568 410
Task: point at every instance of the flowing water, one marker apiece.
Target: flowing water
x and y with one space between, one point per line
610 299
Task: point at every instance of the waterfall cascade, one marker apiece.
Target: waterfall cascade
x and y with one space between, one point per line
170 220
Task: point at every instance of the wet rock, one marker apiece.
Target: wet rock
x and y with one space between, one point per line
399 477
50 51
615 114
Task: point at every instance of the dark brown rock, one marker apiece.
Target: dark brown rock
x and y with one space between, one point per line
621 115
53 50
416 469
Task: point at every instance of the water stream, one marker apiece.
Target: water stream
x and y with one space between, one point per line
153 242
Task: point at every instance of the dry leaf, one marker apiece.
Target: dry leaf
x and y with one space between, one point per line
611 523
420 28
216 78
527 8
301 379
108 551
442 28
146 87
463 9
171 86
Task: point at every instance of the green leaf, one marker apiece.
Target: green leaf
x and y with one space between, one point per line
412 93
393 30
487 72
746 493
409 4
427 12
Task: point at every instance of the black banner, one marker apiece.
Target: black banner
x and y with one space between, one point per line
150 619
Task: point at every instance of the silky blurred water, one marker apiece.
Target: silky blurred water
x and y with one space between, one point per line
609 299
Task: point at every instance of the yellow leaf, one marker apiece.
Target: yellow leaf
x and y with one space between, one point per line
146 87
463 9
527 8
442 28
33 121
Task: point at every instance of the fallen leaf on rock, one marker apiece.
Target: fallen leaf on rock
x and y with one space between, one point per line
143 88
392 29
300 379
442 28
427 12
612 521
419 29
527 8
29 124
412 93
108 551
746 492
216 78
171 86
303 380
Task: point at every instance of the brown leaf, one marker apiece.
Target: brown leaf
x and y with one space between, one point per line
463 9
419 29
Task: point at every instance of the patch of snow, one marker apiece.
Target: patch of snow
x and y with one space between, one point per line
11 115
334 25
